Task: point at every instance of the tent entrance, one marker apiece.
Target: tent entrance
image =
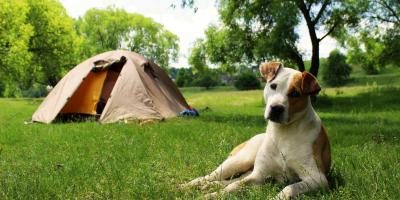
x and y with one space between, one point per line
113 73
92 95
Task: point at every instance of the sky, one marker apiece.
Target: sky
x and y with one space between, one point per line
184 23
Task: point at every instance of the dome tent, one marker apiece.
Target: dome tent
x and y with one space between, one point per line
114 85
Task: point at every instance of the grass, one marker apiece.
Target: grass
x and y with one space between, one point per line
128 161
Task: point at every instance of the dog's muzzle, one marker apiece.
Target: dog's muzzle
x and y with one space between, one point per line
276 113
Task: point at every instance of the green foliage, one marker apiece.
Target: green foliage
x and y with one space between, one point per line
54 44
197 57
391 40
247 81
206 79
113 28
254 31
103 30
15 34
365 51
35 91
373 44
184 77
38 44
337 71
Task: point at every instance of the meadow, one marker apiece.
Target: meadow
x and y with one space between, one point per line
88 160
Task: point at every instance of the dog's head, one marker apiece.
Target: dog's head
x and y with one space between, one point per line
287 91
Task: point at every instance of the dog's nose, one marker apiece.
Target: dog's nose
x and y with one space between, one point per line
276 113
278 109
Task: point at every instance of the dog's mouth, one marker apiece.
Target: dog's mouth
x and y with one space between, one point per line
277 119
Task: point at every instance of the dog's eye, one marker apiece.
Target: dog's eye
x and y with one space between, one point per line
293 94
273 86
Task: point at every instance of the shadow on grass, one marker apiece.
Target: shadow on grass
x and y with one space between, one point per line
75 118
335 179
236 119
376 99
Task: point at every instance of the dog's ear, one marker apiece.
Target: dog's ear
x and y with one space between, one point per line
310 84
269 70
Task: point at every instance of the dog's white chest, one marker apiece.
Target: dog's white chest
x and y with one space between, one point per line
283 155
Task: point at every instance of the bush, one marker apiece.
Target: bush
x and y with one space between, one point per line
2 87
35 91
370 69
247 81
205 79
336 72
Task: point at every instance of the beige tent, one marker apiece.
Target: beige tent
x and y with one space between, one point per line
114 85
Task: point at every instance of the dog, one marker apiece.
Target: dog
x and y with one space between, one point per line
295 147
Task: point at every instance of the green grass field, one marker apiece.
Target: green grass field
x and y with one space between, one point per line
128 161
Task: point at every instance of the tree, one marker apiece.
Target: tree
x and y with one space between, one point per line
151 39
103 30
113 28
374 43
270 25
330 15
247 81
184 77
54 44
386 12
15 33
337 71
38 43
263 29
365 51
206 79
197 57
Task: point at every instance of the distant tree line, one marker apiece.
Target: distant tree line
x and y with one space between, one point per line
39 42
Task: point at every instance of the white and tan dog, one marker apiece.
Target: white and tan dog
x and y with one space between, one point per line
295 147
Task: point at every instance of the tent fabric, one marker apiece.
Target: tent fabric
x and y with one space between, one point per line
142 90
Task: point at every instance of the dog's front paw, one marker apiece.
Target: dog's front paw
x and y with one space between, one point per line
211 195
193 183
211 185
282 196
184 186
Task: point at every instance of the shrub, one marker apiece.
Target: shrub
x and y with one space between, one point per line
2 87
35 91
205 79
247 81
370 68
336 72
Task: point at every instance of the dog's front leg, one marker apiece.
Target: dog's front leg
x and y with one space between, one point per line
309 183
253 179
230 167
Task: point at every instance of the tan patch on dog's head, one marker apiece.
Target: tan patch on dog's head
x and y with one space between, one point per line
269 70
302 85
298 101
310 84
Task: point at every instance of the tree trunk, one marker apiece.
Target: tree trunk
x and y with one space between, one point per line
313 36
315 58
300 63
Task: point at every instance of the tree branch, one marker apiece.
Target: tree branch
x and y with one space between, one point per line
385 20
394 13
321 11
303 8
329 32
